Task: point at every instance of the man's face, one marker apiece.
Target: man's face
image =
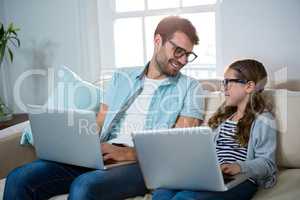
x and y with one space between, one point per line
165 57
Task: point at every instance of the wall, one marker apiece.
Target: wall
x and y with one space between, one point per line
267 30
57 32
1 10
52 33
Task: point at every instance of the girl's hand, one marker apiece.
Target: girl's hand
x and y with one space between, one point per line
231 169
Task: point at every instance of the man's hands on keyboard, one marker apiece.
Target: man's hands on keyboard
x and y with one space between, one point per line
113 154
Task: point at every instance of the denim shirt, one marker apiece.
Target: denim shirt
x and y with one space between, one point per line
261 154
177 96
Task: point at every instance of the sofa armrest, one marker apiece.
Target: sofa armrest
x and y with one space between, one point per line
12 154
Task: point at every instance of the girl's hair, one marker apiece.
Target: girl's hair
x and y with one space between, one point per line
249 70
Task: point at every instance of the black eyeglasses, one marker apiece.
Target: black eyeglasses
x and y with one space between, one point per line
179 52
235 80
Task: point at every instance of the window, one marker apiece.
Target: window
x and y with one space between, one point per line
129 25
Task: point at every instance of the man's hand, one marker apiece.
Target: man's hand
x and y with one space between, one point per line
183 122
117 154
231 169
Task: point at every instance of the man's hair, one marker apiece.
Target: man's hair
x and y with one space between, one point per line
169 25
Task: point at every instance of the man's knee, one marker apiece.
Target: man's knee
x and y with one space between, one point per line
84 187
17 183
21 182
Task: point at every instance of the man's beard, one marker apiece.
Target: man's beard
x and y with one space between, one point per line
163 66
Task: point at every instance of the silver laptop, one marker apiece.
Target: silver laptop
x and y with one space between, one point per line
68 136
181 158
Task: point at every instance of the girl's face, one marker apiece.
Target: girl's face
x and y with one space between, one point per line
236 91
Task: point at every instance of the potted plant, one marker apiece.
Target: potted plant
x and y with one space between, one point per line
8 37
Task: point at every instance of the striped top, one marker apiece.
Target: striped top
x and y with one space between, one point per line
228 149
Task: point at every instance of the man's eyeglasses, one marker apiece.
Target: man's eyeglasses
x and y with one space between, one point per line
225 82
179 52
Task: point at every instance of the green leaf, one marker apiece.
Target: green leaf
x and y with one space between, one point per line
16 39
16 29
1 31
2 52
1 58
15 33
11 55
6 36
10 27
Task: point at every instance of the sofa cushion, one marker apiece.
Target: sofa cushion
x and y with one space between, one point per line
60 197
65 197
212 101
287 187
2 183
287 112
12 154
288 115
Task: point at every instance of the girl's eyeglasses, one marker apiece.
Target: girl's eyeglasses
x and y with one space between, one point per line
225 82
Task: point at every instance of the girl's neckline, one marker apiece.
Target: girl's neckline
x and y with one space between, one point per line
229 119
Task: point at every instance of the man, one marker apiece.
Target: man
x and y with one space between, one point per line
157 96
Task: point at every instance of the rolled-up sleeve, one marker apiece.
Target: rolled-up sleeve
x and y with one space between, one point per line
109 93
193 105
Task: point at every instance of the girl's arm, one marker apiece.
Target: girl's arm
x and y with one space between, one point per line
262 150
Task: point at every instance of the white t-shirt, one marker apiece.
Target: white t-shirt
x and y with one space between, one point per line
135 116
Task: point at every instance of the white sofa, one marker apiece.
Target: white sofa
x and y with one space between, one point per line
287 113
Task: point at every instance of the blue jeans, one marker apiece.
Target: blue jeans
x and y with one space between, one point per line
243 191
44 179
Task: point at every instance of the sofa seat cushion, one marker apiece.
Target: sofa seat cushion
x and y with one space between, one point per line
65 197
287 187
60 197
2 183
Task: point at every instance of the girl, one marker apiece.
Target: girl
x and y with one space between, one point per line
245 135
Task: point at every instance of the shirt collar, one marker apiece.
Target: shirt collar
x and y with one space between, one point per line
171 79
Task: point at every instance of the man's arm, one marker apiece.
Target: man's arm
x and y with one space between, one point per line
109 151
101 115
118 154
192 111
